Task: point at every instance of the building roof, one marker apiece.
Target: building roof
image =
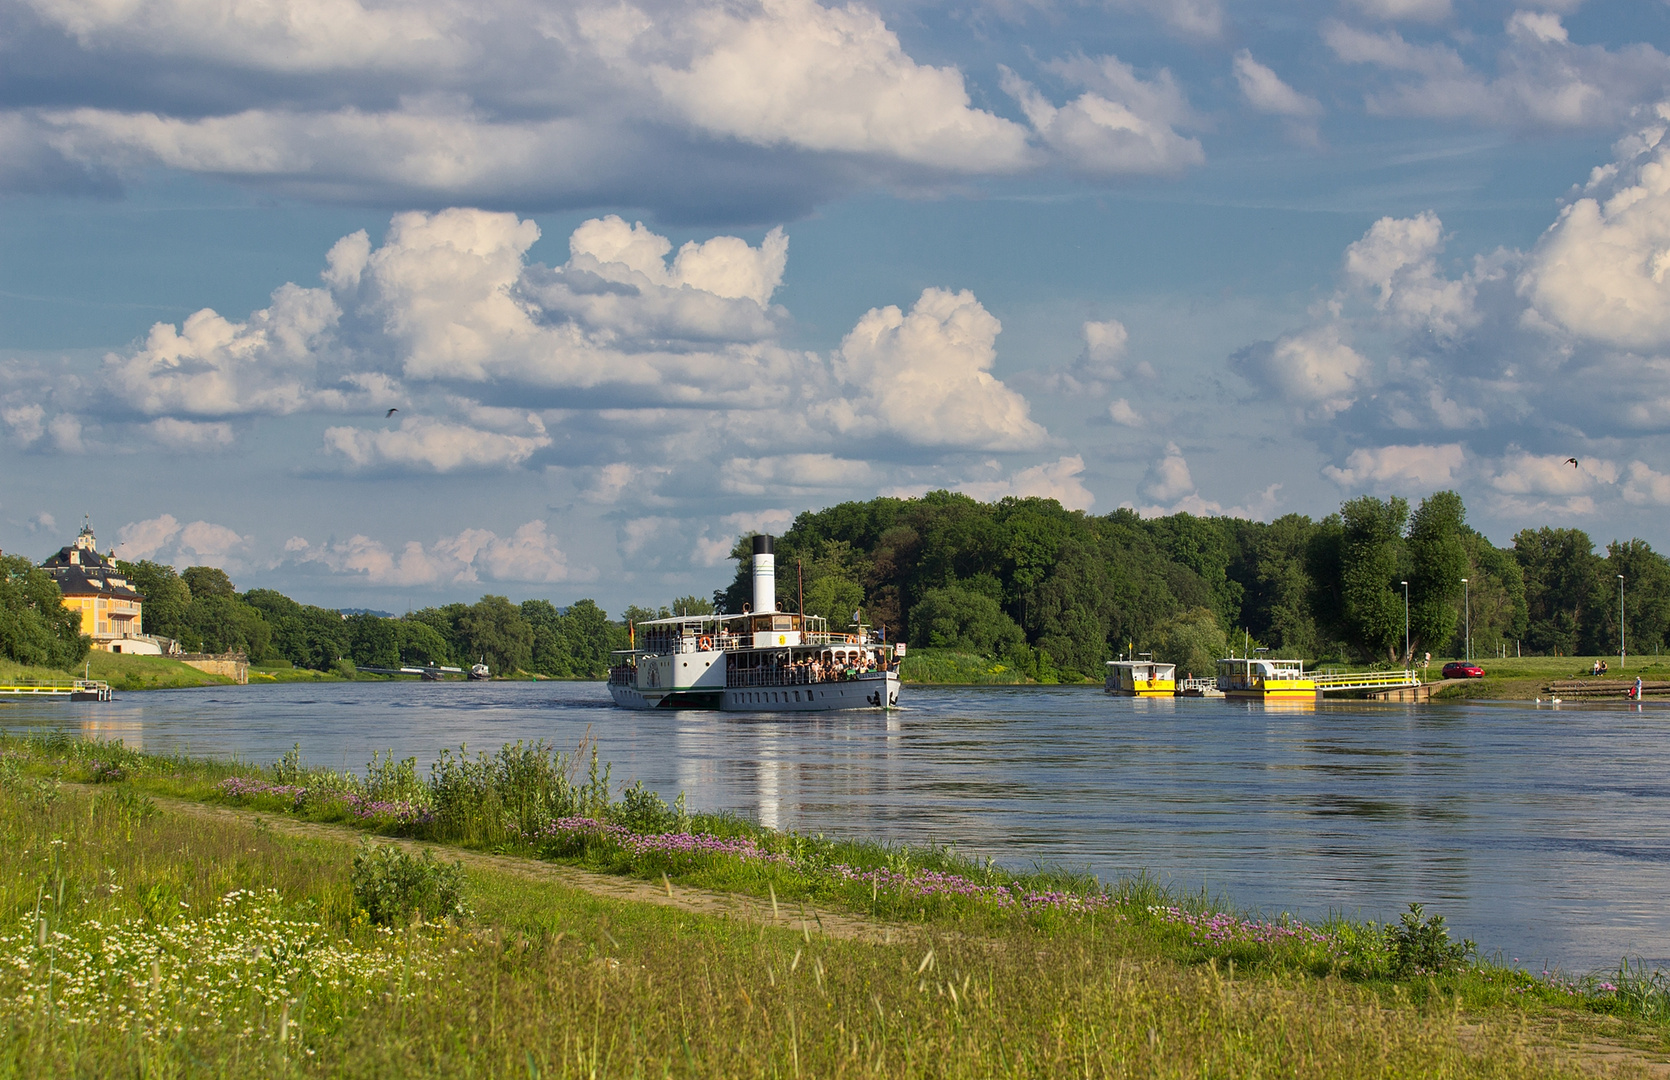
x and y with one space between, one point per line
80 570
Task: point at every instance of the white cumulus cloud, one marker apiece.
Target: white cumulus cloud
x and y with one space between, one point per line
1120 124
1061 480
1400 468
529 555
434 444
926 376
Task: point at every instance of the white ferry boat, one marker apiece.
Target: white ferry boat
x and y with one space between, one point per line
762 660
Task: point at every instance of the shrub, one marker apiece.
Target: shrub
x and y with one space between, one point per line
644 811
391 884
1424 947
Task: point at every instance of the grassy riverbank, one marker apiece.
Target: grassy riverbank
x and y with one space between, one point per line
138 938
1524 678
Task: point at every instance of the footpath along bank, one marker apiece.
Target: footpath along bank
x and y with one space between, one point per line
163 915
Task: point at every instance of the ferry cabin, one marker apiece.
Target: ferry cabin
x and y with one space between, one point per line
1141 678
1267 680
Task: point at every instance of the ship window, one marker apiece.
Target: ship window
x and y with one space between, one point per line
782 622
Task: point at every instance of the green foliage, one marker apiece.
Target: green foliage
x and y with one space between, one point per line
1369 576
1438 559
1193 641
692 605
307 636
1562 587
391 885
495 632
167 601
1423 947
208 581
1083 588
954 617
572 644
35 626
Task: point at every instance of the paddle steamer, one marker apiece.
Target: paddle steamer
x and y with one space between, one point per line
762 660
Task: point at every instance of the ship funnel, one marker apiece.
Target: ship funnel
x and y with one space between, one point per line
765 574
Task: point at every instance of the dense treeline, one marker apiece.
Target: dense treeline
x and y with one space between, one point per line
35 626
1058 591
1052 591
202 610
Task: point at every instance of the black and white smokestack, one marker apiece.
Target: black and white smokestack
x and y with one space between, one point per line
765 574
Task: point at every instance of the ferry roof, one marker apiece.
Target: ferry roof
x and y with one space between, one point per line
687 620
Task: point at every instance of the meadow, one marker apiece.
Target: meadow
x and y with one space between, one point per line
138 937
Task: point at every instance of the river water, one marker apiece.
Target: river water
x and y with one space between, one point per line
1541 833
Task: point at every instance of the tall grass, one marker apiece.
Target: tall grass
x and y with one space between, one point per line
533 800
177 946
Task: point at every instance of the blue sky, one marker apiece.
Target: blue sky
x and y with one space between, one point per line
640 276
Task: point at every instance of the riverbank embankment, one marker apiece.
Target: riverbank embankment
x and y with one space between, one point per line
178 914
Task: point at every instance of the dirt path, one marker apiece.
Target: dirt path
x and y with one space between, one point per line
793 915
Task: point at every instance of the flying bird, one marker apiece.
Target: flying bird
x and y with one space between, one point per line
390 413
1569 461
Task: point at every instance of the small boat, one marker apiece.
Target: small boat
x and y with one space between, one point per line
762 660
480 671
1141 678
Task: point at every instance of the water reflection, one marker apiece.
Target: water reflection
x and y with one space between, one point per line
1543 833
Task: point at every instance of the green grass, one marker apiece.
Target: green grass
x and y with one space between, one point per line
120 953
13 673
124 672
1524 678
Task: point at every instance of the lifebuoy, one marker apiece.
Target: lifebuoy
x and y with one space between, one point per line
705 645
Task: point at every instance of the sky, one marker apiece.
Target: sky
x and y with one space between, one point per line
638 277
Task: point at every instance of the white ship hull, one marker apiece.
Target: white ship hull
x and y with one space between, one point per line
873 690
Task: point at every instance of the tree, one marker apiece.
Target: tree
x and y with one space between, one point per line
1192 640
35 626
692 605
167 600
1370 553
373 641
1279 603
495 632
1562 577
1437 563
953 617
307 636
421 644
1646 590
205 581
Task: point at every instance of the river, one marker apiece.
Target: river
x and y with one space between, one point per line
1541 833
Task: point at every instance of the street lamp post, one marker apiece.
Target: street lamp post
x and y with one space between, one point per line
1620 622
1467 596
1406 656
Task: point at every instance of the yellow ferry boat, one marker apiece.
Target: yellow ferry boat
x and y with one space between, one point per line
1266 680
1141 678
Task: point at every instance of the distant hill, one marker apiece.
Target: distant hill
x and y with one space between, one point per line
366 611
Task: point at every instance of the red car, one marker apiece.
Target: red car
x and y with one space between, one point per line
1461 669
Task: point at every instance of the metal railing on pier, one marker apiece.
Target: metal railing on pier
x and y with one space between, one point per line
1366 680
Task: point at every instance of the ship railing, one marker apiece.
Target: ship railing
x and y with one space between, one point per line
1197 684
791 676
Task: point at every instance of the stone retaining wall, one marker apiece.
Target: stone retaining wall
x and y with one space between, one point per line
233 665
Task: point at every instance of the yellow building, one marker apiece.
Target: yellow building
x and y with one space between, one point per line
109 606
